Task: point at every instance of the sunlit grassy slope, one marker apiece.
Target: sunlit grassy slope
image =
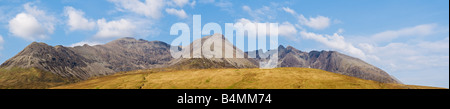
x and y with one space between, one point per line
29 78
279 78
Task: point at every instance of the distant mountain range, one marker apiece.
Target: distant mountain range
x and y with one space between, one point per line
126 54
331 61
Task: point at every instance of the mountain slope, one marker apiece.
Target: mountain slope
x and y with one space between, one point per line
30 78
278 78
127 54
215 62
83 62
331 61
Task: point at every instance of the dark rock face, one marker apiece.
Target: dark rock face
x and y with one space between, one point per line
331 61
83 62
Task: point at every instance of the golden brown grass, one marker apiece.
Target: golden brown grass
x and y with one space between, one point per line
29 78
278 78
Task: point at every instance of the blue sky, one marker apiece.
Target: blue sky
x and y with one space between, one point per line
407 38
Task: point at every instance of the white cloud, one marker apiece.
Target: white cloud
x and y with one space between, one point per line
193 3
335 41
179 3
403 50
246 8
289 10
124 26
340 31
285 29
115 29
410 56
260 14
138 24
397 58
288 30
33 24
40 14
27 27
90 43
319 22
245 21
420 30
179 13
368 48
436 46
412 61
149 8
77 21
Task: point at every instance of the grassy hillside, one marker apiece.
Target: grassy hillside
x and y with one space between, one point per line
29 78
279 78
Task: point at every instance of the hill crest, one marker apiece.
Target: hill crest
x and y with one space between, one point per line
127 54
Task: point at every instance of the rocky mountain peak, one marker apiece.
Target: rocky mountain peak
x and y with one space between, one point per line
281 47
290 48
37 45
125 40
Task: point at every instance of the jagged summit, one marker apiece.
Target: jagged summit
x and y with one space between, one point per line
133 41
37 45
281 47
130 40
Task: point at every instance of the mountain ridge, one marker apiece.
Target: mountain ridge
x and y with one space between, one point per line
224 62
83 62
127 54
331 61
